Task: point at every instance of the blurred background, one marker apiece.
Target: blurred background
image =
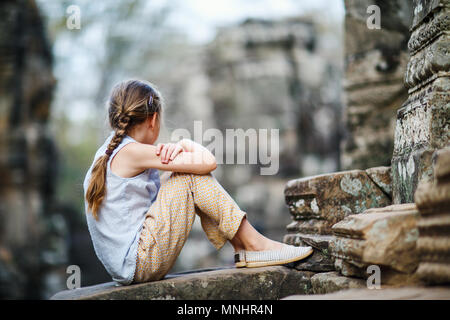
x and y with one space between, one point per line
266 64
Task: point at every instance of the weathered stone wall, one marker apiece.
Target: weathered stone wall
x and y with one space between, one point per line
423 122
27 154
377 233
375 61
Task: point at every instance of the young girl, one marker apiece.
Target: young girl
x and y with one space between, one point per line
138 226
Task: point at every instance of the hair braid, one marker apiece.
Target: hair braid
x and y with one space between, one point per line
120 133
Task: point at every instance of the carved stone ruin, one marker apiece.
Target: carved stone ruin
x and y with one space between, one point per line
409 242
423 122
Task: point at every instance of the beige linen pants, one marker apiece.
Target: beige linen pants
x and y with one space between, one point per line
169 220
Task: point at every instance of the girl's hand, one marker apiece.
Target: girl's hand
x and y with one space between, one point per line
168 151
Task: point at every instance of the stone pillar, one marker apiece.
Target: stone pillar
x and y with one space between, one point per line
375 60
423 122
433 202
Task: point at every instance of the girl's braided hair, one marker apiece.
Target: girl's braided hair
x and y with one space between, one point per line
131 102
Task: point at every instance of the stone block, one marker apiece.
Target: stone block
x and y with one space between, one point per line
429 63
424 34
328 282
433 198
434 273
321 260
383 236
423 127
318 202
381 176
423 119
423 9
389 276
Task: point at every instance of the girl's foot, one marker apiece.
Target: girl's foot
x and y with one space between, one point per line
264 244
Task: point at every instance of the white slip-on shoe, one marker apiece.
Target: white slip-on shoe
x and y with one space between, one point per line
287 254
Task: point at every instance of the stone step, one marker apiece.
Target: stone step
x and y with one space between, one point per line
268 283
361 225
435 225
434 248
434 272
404 293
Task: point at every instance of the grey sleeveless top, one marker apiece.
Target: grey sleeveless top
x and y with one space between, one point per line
115 235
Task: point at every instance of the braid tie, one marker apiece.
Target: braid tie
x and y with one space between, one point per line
150 102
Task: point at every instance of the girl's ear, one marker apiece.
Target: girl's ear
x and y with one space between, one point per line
153 120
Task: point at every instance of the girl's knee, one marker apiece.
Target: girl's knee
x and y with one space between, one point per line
189 177
175 178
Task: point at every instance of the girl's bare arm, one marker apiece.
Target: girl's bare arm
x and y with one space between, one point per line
194 158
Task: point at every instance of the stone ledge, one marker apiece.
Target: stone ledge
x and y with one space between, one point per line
404 293
268 283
